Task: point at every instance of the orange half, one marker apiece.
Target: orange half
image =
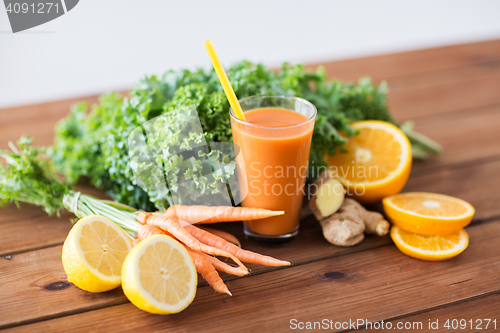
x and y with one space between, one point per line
428 213
430 248
377 162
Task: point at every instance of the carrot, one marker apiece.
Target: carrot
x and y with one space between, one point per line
244 255
172 226
146 230
208 214
136 241
223 267
222 234
207 270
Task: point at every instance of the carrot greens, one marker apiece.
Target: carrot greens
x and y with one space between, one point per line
27 177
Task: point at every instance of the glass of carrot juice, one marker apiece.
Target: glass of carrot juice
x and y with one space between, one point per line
274 141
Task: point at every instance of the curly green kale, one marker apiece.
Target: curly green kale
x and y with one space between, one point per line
94 143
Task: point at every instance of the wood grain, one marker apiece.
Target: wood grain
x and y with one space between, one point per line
36 120
448 96
34 285
43 267
407 69
476 309
469 71
374 285
452 94
476 183
413 62
477 140
30 228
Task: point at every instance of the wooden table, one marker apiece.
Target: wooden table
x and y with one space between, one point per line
452 93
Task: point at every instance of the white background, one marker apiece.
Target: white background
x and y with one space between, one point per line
105 45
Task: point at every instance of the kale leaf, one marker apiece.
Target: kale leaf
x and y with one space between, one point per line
94 143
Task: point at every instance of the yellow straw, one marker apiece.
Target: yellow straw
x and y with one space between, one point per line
224 81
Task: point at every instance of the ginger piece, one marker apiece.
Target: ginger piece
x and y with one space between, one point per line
343 220
374 221
343 229
327 195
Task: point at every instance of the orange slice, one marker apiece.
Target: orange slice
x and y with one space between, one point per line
430 248
377 162
428 213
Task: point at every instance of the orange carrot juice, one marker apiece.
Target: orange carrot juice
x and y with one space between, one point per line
274 143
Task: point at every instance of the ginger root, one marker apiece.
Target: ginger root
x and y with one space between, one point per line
343 220
343 229
374 221
327 195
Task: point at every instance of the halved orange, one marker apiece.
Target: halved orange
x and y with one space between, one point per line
430 248
428 213
377 162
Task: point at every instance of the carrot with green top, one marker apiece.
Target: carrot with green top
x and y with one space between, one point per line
208 214
244 255
173 227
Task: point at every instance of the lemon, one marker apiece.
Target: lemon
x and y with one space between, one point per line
93 254
430 248
377 162
159 276
428 213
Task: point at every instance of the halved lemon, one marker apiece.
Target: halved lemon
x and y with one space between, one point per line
377 162
159 276
431 248
93 254
428 213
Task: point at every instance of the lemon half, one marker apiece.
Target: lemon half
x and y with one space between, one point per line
159 276
93 254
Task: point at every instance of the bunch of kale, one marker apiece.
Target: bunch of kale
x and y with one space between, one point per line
94 143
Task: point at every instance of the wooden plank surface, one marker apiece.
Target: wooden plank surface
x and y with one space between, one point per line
478 139
478 126
478 183
476 309
378 284
432 98
43 268
36 120
412 63
30 228
34 230
451 92
309 247
437 66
